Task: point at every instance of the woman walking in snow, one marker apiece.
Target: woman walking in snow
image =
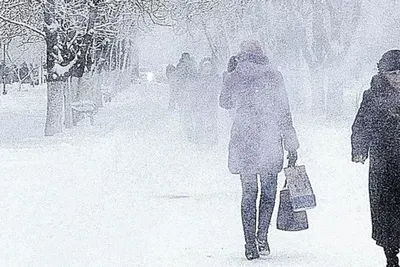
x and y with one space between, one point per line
376 130
262 121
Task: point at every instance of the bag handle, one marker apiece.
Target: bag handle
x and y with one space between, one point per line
285 185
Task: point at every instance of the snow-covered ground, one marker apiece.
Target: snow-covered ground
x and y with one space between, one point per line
130 191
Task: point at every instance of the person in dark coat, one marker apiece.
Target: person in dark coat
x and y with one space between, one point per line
186 73
376 131
261 125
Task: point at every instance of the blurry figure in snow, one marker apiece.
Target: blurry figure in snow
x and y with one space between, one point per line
232 63
24 73
262 123
376 130
173 87
186 74
206 103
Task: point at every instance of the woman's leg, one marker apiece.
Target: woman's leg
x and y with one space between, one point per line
249 214
249 206
267 204
391 257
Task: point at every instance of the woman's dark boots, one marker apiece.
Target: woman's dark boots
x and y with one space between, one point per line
391 257
263 248
251 251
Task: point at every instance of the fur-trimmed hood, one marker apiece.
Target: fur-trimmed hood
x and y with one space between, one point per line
253 66
380 85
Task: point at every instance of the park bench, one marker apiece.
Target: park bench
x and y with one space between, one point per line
83 109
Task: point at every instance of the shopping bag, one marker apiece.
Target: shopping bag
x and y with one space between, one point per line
301 192
289 220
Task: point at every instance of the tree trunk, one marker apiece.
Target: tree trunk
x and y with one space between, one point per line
41 79
122 53
118 67
68 104
55 85
55 99
4 69
134 63
78 89
111 57
97 91
59 54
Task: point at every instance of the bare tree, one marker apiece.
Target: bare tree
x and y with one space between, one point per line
72 30
319 32
18 21
215 21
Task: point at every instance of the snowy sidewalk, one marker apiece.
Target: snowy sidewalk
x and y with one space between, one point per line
130 191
